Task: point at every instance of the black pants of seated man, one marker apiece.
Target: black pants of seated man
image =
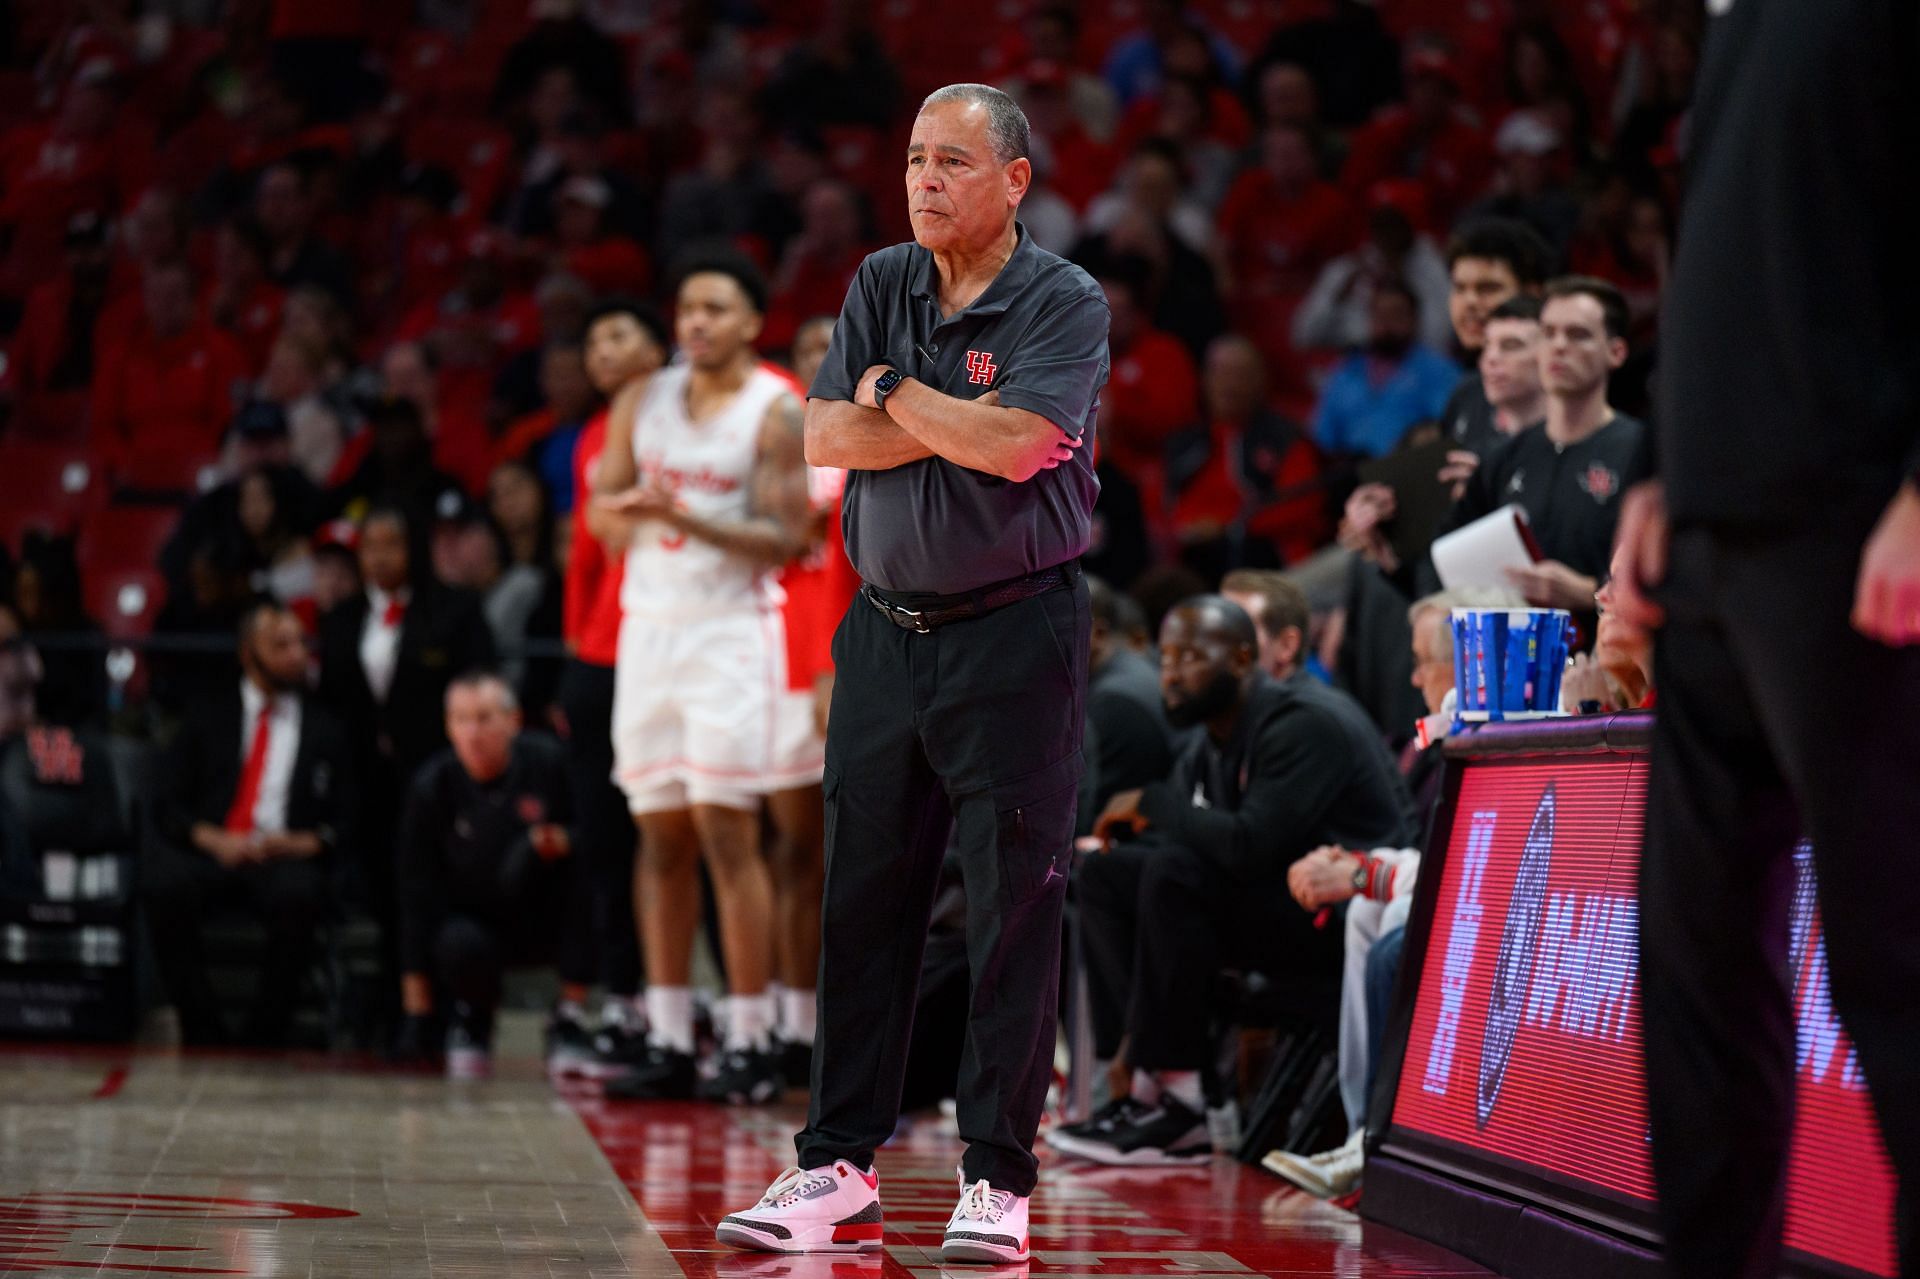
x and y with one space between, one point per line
1158 922
471 956
184 888
1775 718
529 918
603 831
974 730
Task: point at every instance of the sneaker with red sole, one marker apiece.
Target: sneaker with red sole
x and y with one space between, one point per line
830 1209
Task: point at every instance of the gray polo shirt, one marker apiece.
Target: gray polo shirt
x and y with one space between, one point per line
1038 335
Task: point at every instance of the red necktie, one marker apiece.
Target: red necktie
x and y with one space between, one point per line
396 610
240 815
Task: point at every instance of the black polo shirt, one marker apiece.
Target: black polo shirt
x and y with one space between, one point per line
1571 495
1038 335
463 845
1469 418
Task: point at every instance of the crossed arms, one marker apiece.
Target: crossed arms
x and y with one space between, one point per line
920 422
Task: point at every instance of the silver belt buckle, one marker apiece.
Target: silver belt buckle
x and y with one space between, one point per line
905 618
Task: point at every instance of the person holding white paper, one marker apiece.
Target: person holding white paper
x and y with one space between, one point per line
1569 472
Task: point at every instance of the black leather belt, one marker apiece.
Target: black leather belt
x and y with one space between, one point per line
925 613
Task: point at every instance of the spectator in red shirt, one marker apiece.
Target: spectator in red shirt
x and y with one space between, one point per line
81 159
52 361
171 386
157 229
1152 391
1080 160
587 247
1431 139
1053 34
1243 485
479 323
461 445
1280 225
242 302
413 253
817 264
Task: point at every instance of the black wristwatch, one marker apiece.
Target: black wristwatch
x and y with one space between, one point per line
1362 872
883 387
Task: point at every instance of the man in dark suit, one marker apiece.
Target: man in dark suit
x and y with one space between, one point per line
387 655
386 658
256 801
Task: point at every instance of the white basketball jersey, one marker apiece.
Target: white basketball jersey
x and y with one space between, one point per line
708 467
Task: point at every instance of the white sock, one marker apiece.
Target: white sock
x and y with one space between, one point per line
670 1017
1184 1086
1146 1088
749 1021
796 1016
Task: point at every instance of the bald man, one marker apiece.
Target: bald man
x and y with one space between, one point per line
1193 874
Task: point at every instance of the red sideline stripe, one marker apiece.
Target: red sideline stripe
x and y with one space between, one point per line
850 1234
110 1086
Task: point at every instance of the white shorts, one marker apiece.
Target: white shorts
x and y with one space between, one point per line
694 709
799 752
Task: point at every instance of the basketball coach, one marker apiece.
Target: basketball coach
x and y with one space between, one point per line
961 383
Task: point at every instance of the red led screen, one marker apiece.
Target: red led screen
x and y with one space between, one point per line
1525 1039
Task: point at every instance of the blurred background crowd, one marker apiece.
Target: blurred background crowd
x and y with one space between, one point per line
269 266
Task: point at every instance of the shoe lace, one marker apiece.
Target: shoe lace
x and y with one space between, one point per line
789 1186
981 1202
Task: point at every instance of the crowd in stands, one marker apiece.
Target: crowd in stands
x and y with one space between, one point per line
293 303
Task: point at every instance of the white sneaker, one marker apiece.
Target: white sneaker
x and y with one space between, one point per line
987 1225
1327 1175
831 1209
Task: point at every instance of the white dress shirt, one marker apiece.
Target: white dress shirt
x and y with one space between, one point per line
276 777
380 642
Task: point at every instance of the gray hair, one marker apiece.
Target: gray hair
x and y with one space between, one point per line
488 680
1441 647
1006 122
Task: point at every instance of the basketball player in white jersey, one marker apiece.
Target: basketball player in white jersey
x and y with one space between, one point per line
707 462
